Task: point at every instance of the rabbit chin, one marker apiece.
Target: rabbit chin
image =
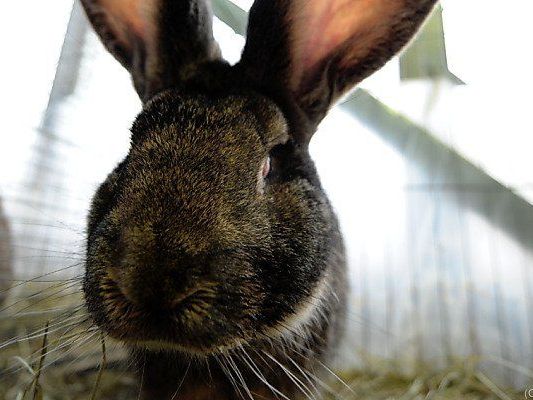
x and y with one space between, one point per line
190 350
295 327
192 345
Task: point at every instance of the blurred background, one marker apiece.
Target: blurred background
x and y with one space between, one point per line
428 165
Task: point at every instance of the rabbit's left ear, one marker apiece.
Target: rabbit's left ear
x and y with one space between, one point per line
310 52
158 41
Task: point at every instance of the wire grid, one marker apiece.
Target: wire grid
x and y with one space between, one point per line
440 262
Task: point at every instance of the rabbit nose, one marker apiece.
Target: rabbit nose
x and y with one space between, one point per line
153 275
150 290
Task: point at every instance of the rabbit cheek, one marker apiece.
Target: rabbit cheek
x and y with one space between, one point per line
296 276
307 313
95 285
153 308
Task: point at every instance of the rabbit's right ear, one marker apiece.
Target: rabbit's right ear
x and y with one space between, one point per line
160 42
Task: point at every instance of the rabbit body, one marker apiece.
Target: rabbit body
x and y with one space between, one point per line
213 252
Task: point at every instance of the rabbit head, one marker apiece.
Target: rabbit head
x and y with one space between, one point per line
214 231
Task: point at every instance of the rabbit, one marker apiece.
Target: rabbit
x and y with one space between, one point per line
6 256
213 253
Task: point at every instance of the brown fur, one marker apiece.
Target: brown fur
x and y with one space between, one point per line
225 284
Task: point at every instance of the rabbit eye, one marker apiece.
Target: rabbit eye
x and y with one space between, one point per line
265 169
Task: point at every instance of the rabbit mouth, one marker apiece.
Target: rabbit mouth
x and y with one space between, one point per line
191 323
192 304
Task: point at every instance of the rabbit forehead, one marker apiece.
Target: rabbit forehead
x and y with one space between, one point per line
200 121
210 151
199 156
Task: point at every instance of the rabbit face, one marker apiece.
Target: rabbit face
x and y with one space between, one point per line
191 246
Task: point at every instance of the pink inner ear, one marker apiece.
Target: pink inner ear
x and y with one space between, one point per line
129 15
319 27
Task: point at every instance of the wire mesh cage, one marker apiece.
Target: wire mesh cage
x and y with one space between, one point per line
439 244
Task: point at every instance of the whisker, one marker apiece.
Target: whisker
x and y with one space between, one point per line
301 386
41 276
143 367
257 372
208 370
31 336
37 294
181 382
240 376
31 313
356 318
294 345
228 374
43 256
307 374
340 380
66 339
44 299
44 281
19 246
29 223
83 342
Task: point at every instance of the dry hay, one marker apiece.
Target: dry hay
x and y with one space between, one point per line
58 354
